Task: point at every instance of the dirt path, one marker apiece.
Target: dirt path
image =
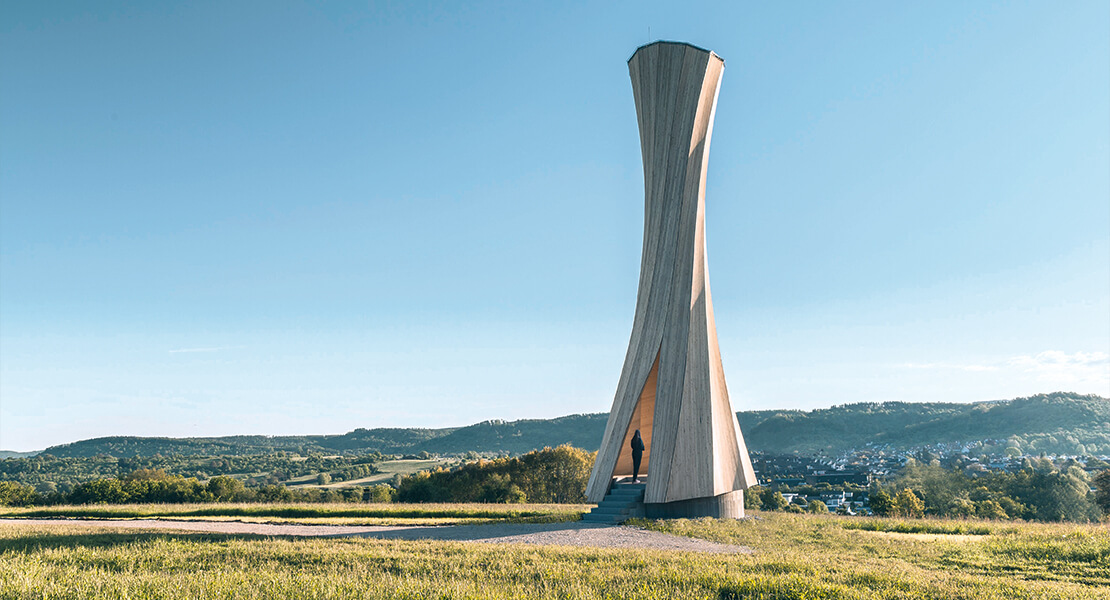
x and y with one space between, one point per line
575 533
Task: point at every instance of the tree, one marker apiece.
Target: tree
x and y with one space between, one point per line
1054 496
323 479
881 503
1102 493
1094 462
989 509
907 504
380 493
937 487
961 507
567 473
16 494
817 507
275 493
548 475
146 475
752 498
772 499
1013 508
225 489
107 491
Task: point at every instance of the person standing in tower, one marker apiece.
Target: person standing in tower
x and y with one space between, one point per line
637 455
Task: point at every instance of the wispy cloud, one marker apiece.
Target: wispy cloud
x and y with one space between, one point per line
1076 371
950 366
1053 365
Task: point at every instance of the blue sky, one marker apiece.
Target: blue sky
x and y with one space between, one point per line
271 217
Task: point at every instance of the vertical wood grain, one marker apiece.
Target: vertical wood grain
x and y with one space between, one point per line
672 386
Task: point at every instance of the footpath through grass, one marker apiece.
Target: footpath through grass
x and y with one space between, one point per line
331 514
796 557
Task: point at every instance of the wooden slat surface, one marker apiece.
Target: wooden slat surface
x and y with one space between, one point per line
672 369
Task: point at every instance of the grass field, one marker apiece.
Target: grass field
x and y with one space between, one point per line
317 513
388 469
796 557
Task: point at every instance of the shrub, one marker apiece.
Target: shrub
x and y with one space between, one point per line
380 493
16 494
550 475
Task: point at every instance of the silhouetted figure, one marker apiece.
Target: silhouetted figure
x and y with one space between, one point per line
637 455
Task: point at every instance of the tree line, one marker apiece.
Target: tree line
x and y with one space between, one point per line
551 475
49 474
1042 490
159 487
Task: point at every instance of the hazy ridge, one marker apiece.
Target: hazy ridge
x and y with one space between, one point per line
1061 423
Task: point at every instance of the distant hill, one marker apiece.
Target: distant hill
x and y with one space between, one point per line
514 437
10 454
1053 423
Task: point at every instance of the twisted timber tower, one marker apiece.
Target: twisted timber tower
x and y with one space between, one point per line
672 386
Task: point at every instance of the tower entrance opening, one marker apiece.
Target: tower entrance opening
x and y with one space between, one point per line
642 418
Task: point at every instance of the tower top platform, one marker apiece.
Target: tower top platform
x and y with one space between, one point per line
673 43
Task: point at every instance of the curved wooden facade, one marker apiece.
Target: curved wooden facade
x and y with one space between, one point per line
672 386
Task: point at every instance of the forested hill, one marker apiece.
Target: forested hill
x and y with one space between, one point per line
1053 423
514 437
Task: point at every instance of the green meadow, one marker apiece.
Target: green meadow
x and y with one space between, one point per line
794 557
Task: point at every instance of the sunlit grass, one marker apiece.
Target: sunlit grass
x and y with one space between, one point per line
1023 552
795 557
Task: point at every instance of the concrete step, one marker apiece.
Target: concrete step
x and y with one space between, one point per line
626 492
615 508
624 501
592 518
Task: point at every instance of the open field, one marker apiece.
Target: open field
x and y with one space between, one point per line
316 513
795 557
388 469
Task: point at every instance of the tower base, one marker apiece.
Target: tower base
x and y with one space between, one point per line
725 506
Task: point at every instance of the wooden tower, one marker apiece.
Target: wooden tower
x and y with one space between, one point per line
672 387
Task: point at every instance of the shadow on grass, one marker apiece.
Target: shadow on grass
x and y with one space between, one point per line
474 533
100 512
35 542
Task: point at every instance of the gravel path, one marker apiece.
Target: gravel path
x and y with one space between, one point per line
574 533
